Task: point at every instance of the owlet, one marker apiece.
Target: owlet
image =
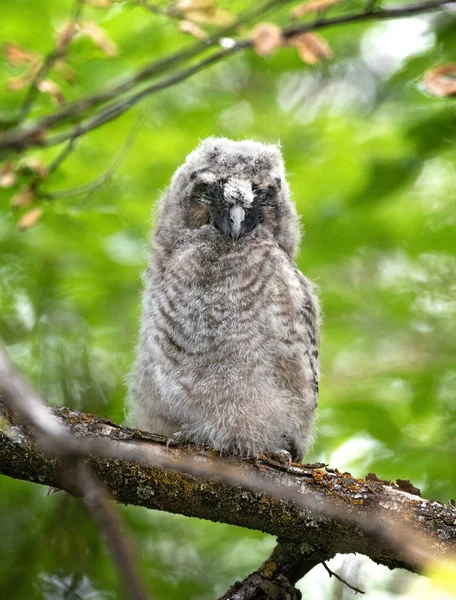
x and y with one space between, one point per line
228 352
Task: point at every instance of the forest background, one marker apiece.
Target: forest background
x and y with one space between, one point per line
368 138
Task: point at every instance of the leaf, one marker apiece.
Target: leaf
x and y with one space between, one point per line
30 218
23 198
186 5
17 83
441 81
47 86
65 35
266 38
312 6
192 29
7 175
205 12
99 37
311 47
65 71
19 56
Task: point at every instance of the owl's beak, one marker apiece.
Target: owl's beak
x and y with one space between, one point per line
237 215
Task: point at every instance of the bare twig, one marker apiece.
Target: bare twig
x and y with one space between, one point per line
339 578
20 138
55 439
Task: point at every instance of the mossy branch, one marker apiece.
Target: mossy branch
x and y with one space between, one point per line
323 512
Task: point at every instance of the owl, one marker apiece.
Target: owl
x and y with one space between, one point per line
228 351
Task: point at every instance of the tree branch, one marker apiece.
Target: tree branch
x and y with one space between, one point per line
19 138
80 107
276 577
326 513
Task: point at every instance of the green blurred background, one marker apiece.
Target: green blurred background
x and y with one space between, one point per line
371 161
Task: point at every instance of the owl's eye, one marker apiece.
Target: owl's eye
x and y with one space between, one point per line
208 193
265 197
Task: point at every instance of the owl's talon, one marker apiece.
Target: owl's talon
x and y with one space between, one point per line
281 456
178 438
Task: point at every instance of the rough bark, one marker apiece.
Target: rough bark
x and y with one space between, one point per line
315 512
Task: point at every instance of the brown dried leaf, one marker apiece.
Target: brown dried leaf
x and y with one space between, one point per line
19 56
30 218
34 165
205 12
7 175
312 6
99 37
192 29
441 81
266 38
218 17
47 86
23 198
311 47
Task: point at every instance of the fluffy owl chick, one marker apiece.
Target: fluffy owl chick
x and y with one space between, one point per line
228 352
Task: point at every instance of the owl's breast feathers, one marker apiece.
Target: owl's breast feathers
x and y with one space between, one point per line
245 308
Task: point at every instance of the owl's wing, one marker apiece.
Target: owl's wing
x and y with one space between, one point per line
297 365
310 321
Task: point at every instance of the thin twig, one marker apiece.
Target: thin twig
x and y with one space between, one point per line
339 578
20 138
118 108
53 56
87 188
63 155
377 14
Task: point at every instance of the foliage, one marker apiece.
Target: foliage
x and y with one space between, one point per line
371 162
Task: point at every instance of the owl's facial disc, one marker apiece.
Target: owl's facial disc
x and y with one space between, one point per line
232 207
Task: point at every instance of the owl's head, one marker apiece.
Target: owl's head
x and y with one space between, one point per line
236 190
